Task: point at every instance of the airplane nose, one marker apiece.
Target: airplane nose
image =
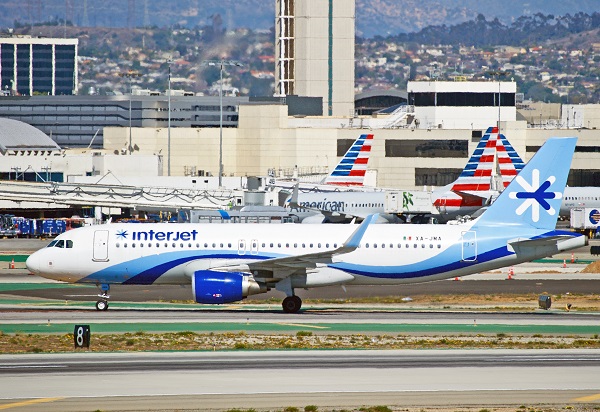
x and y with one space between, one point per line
33 263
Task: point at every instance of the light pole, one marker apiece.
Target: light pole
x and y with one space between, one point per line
498 73
169 124
130 74
221 63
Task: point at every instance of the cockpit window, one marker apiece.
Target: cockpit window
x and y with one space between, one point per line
69 244
60 243
51 244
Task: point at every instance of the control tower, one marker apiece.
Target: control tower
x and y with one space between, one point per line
315 52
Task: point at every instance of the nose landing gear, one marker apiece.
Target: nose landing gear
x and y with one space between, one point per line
102 304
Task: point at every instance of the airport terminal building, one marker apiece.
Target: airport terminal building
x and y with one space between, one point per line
425 144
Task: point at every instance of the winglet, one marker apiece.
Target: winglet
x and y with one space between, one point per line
354 240
294 198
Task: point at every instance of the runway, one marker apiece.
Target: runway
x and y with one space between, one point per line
328 379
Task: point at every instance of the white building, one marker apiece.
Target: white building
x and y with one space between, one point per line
462 105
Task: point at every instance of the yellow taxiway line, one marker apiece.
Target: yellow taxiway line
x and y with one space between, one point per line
29 402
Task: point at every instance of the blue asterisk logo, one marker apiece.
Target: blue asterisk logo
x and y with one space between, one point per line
535 195
122 234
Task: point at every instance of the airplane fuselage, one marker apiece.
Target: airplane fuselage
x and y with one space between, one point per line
172 253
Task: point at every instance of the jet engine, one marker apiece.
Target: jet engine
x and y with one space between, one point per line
212 287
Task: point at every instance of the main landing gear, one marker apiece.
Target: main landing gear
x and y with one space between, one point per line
102 304
291 304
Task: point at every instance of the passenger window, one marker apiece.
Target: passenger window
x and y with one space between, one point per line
367 245
375 245
430 246
173 245
124 244
133 245
118 245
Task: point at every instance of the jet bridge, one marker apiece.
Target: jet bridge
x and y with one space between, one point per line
118 196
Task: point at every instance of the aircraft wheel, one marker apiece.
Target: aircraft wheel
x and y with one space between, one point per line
291 304
101 305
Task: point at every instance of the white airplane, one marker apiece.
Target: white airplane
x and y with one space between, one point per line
579 197
226 263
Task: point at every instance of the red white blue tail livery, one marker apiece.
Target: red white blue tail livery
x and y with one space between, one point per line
351 170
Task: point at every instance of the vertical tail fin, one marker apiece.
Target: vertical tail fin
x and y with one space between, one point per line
534 196
351 170
509 161
477 174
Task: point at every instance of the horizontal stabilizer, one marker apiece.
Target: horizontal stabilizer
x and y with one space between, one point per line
539 242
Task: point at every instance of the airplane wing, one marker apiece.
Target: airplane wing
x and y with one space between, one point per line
292 265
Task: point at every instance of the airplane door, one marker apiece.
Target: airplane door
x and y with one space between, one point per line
241 247
101 246
469 246
254 247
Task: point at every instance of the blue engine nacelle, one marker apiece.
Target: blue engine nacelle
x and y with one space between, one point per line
214 287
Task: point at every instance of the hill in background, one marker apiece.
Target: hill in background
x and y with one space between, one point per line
373 17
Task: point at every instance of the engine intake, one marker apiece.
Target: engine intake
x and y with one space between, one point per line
214 287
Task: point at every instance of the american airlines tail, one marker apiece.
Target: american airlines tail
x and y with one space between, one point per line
509 161
351 170
477 174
